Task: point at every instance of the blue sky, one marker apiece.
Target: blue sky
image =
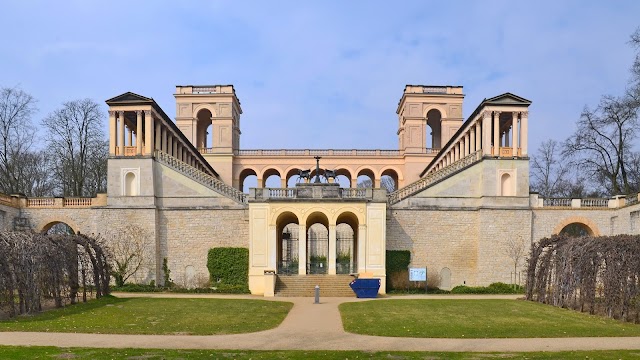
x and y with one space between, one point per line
323 74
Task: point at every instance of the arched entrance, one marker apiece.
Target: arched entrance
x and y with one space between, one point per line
434 136
576 229
317 226
58 227
346 243
248 179
287 226
204 129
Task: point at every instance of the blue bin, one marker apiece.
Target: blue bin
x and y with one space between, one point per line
365 288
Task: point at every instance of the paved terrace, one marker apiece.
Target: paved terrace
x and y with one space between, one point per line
312 326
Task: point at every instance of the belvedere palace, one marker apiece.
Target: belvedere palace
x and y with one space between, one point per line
456 194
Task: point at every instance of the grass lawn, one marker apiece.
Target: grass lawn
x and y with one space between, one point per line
475 319
111 315
38 352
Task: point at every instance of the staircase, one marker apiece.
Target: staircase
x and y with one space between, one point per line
434 178
330 285
200 176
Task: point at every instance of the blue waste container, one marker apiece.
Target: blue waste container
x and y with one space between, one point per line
365 288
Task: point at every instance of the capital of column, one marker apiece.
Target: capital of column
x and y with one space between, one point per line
112 113
486 114
121 114
524 113
147 112
138 112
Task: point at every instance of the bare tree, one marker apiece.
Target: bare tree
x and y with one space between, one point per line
129 251
76 143
602 143
16 136
549 170
514 249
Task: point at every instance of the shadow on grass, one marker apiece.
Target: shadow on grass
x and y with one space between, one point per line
58 313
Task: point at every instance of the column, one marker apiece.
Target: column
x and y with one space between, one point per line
466 144
354 182
138 132
174 150
486 133
169 143
121 133
148 132
362 248
158 136
283 182
332 250
514 133
302 249
478 129
211 144
129 136
164 139
112 132
496 133
524 133
472 139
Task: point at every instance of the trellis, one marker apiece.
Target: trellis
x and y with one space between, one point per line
39 267
595 274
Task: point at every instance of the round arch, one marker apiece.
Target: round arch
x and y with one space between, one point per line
588 223
392 172
434 123
441 109
209 107
266 173
51 223
287 246
204 124
291 172
366 171
246 172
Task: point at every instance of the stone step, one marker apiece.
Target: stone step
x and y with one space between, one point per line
304 285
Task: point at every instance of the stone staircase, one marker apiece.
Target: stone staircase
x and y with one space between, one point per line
434 178
330 285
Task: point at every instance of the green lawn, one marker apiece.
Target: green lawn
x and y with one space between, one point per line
41 352
111 315
475 319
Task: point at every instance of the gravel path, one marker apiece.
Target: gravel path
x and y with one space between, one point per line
312 326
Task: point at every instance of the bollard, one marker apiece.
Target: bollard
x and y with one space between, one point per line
317 295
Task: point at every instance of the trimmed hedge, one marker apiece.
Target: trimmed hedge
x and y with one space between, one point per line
397 261
229 266
495 288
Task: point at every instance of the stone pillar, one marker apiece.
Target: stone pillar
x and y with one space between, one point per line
260 183
486 133
283 182
354 182
112 132
175 148
362 248
331 259
169 143
467 137
149 126
496 133
138 132
164 139
514 133
158 135
524 132
302 249
472 139
478 129
121 133
129 136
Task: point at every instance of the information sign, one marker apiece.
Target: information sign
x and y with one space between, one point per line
418 274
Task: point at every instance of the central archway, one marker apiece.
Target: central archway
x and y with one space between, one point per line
317 226
346 243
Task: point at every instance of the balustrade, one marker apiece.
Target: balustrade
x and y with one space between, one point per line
319 152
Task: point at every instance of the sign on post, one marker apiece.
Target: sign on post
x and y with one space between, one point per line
418 274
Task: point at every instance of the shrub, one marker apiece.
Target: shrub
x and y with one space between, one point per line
229 266
397 264
495 288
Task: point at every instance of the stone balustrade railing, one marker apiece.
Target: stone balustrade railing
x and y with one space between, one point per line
319 152
433 177
60 202
587 203
200 176
314 191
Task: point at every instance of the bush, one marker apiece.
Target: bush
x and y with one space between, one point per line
495 288
397 273
229 267
137 288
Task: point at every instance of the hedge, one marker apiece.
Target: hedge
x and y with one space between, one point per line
397 261
229 266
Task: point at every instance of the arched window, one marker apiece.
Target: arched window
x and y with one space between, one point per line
130 185
434 131
576 229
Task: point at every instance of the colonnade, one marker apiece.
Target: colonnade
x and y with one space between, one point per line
494 132
146 132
